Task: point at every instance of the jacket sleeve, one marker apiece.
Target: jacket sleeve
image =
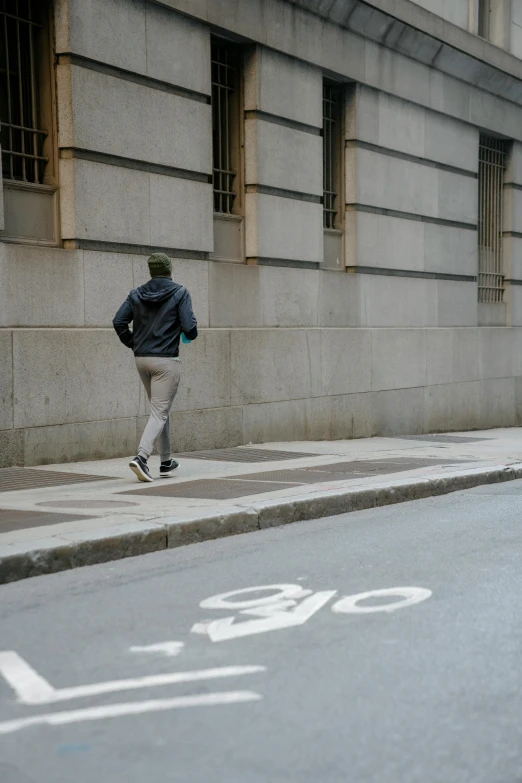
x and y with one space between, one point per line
121 322
189 324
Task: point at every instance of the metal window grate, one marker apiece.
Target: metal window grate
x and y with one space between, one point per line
21 137
492 163
225 77
331 142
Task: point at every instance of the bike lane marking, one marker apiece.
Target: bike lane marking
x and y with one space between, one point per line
289 605
278 617
168 649
129 708
33 689
408 596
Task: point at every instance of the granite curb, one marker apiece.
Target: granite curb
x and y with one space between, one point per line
77 549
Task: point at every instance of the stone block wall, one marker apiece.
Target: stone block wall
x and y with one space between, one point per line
454 11
412 201
513 235
134 122
283 159
288 349
284 364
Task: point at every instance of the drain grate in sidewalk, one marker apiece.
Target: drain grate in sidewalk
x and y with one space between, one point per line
368 467
14 519
274 480
244 454
12 479
213 489
341 471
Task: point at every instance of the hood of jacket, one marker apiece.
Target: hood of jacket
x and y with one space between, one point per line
157 290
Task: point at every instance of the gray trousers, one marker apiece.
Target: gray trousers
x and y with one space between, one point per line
160 376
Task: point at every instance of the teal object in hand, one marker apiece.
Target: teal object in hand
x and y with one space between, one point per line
185 339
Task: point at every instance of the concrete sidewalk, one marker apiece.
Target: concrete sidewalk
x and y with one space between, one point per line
64 516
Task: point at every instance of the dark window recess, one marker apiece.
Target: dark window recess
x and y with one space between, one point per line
331 152
492 165
483 18
21 136
225 122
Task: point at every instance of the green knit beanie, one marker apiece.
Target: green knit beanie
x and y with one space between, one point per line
160 265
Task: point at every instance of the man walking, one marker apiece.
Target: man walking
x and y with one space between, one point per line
160 311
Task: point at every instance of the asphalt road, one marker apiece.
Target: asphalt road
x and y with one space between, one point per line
427 693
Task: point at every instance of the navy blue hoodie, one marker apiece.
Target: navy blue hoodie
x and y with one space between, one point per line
160 311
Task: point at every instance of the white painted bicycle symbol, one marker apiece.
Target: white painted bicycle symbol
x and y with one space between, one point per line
290 605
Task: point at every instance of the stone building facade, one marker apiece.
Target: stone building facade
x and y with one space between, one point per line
339 184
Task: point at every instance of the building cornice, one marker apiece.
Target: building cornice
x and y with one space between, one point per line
412 31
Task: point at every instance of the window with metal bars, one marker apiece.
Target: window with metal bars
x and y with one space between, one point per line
21 135
332 105
225 124
492 164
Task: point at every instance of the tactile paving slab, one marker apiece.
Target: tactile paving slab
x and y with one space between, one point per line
12 479
14 519
274 480
244 454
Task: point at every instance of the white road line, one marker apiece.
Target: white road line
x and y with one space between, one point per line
130 708
168 649
28 685
31 688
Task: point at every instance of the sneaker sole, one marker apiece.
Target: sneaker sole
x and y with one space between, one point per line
137 470
169 474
